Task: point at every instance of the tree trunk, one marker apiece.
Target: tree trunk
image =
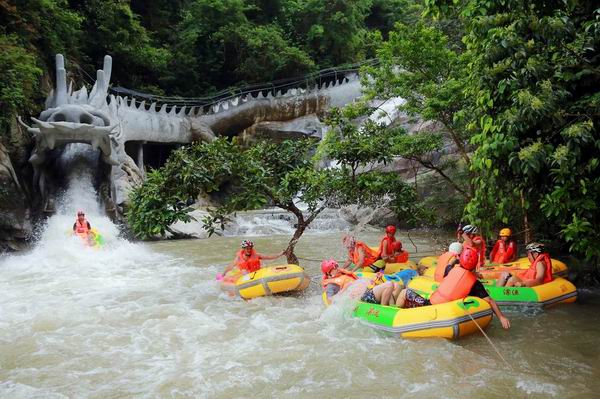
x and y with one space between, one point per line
301 225
525 219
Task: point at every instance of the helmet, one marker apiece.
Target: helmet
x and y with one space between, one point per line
247 244
506 232
455 247
396 246
470 229
469 258
80 213
390 229
328 265
535 247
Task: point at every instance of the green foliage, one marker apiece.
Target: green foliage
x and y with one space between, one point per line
162 199
18 81
533 74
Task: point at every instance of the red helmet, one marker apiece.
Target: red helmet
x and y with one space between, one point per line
396 246
328 265
390 229
469 258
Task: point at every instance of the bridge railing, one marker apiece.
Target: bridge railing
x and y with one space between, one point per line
319 79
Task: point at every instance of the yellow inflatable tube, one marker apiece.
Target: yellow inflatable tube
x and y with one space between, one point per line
268 281
450 320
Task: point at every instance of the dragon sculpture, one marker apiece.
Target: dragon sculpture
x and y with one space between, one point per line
108 122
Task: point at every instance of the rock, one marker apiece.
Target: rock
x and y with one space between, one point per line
360 216
194 228
306 126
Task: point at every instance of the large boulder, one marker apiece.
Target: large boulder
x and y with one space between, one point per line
305 126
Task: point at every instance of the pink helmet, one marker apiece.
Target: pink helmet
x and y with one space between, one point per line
328 265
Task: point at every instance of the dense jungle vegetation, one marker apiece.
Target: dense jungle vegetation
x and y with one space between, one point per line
513 85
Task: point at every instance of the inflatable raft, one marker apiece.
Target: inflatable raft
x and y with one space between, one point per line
555 292
96 241
493 271
403 276
267 281
450 320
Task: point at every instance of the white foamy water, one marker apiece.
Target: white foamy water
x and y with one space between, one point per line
148 320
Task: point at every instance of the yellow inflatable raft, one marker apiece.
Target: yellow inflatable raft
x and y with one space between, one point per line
267 281
493 271
555 292
450 320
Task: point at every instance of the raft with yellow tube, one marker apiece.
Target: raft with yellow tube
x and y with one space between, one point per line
450 320
266 281
494 270
555 292
92 239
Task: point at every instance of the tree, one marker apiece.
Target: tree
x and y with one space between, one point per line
277 174
418 64
533 77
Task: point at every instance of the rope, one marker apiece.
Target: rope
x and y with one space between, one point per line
486 337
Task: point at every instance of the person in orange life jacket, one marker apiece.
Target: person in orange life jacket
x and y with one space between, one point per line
361 255
398 254
376 290
82 227
247 260
454 251
539 272
386 244
505 249
458 283
335 279
474 240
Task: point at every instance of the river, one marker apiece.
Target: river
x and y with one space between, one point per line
148 320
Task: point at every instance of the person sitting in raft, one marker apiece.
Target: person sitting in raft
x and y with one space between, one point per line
82 227
335 279
474 240
361 255
447 258
399 255
458 283
505 249
539 272
385 246
247 260
375 290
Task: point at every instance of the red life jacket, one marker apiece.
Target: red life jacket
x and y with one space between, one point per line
456 285
250 264
402 258
370 255
443 261
503 252
81 228
531 273
480 250
390 241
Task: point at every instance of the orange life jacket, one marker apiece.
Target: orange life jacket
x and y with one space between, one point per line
390 241
342 280
531 273
250 264
370 255
402 258
480 250
456 285
443 261
503 252
81 228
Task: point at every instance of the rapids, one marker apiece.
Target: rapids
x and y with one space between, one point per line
148 320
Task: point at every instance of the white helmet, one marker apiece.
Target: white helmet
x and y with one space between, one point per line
455 247
470 229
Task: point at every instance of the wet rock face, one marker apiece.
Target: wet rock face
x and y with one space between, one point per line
15 224
306 126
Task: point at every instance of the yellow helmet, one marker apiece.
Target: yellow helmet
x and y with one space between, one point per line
506 232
